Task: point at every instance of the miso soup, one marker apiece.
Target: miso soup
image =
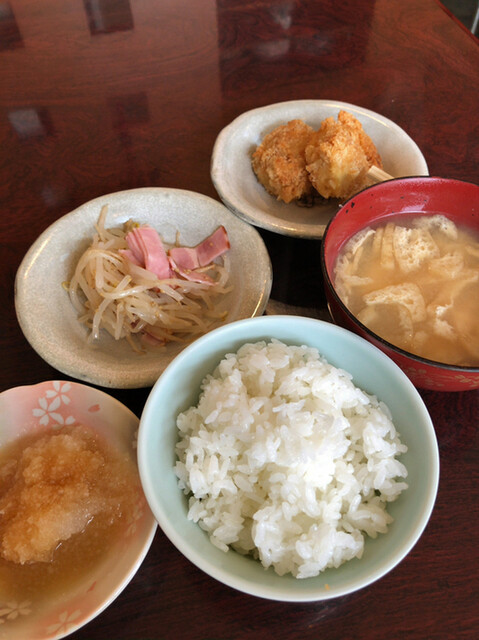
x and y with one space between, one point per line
414 281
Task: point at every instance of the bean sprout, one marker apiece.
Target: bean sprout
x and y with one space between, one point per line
109 292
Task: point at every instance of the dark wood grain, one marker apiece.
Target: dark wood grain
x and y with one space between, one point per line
88 108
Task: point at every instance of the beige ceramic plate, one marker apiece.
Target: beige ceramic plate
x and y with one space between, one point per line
49 321
239 189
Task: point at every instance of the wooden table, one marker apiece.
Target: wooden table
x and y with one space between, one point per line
99 96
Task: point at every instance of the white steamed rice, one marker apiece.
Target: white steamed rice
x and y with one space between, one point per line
286 459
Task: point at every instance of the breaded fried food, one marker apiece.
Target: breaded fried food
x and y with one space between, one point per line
339 155
279 161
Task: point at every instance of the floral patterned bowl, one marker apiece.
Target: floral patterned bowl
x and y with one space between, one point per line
51 406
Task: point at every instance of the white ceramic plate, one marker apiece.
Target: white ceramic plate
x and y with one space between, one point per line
241 192
49 321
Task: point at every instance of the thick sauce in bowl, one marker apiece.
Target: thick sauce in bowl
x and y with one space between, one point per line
65 498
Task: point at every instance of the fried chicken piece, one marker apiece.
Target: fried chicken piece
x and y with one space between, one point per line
339 156
279 161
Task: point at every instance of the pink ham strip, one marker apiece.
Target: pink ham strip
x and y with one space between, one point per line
145 242
130 256
188 258
134 247
146 249
191 274
213 246
184 258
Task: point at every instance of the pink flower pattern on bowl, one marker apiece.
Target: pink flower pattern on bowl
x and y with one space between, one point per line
53 405
50 405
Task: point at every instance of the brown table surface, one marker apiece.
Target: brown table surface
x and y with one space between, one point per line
103 95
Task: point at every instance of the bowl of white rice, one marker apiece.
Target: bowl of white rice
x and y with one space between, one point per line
288 458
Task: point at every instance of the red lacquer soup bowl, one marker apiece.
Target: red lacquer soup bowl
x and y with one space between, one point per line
457 200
